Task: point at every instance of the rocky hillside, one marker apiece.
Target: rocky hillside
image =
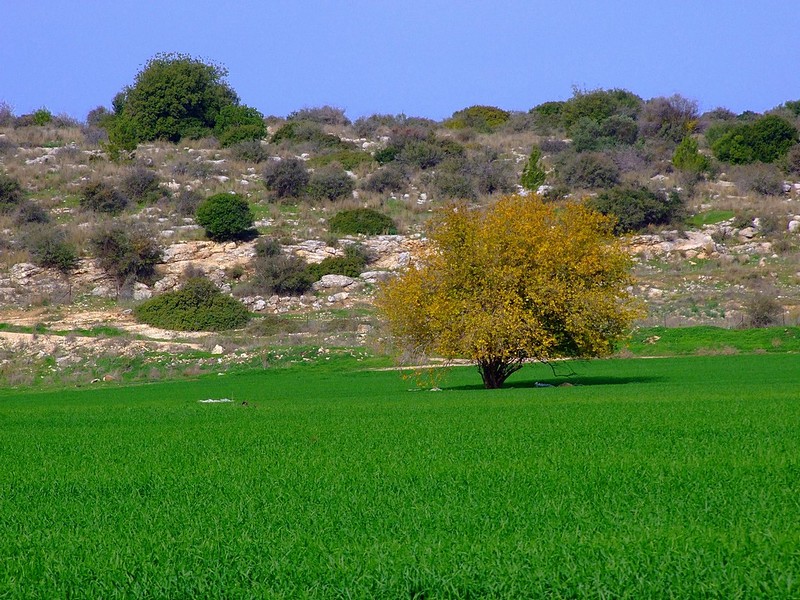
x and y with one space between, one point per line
731 257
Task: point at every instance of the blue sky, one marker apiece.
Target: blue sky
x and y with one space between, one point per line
419 58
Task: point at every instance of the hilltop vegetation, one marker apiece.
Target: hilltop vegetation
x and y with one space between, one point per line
111 211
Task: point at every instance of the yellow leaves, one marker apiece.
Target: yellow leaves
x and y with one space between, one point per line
519 279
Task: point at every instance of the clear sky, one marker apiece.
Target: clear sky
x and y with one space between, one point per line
422 58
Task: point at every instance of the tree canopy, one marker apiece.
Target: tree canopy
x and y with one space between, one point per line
173 96
520 280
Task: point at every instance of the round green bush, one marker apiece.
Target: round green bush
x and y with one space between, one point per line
637 207
11 192
101 197
225 216
361 221
197 306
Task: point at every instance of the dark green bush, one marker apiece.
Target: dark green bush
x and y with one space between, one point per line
588 170
590 135
197 306
364 221
225 217
287 178
599 105
329 183
173 96
102 197
766 140
11 192
635 208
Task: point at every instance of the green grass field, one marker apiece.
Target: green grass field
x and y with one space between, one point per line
648 478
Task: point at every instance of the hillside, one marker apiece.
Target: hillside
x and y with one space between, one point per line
727 254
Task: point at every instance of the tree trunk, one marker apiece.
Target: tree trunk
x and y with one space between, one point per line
495 372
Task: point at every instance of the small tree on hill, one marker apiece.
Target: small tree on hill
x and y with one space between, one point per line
533 175
173 96
521 280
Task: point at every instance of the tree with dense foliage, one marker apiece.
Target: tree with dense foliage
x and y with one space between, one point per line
225 216
173 96
636 207
520 280
765 139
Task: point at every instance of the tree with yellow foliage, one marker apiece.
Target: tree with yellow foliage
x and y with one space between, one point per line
520 280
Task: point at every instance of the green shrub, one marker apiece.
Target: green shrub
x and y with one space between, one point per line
480 118
197 306
349 159
547 117
225 216
533 175
240 123
635 208
599 105
11 192
688 158
365 221
42 117
287 178
307 134
174 96
101 197
587 170
766 139
590 135
351 264
329 183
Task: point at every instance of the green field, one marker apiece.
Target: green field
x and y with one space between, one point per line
647 478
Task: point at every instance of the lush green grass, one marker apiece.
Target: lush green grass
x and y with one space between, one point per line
649 478
672 341
709 218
